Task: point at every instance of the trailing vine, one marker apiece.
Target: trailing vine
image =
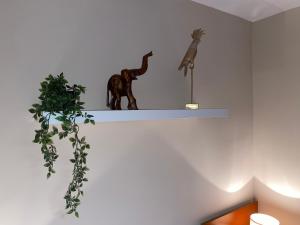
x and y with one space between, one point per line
62 102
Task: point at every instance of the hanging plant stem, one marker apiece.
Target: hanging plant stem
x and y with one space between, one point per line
62 102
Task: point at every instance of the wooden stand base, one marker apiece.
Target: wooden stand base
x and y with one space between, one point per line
192 106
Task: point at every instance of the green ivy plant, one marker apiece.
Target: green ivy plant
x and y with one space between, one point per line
62 102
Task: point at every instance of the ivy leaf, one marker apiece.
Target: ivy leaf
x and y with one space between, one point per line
32 110
55 130
60 118
61 135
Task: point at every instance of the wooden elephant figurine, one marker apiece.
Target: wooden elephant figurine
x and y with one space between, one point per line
120 85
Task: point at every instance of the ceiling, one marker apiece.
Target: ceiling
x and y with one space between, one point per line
251 10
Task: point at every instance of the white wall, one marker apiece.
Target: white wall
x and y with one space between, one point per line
166 172
276 52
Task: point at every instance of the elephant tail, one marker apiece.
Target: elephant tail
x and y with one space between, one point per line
107 95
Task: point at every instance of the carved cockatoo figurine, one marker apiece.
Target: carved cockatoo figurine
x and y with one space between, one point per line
188 63
190 55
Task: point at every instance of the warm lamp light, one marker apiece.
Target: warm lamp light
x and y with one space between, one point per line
262 219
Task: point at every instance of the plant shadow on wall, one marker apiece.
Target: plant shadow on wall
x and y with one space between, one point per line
61 101
153 185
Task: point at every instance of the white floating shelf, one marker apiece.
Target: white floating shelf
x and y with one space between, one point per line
145 115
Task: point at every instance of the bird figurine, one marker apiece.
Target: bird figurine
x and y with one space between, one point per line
190 55
188 62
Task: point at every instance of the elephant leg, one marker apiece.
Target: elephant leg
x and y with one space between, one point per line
113 103
129 103
118 104
132 103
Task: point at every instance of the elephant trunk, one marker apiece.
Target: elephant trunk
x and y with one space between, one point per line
144 67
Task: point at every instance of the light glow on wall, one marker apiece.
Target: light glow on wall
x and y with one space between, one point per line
285 190
235 187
